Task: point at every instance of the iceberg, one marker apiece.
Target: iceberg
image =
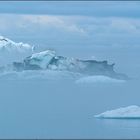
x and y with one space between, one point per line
130 112
48 60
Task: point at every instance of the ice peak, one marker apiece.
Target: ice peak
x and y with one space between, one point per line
9 45
11 51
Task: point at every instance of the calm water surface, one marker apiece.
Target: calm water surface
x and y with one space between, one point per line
63 109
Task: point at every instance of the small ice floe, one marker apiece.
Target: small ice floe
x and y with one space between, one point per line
99 79
130 112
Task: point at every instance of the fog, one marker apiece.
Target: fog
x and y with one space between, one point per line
59 104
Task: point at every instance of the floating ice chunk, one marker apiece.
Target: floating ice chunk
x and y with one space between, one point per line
99 78
130 112
41 59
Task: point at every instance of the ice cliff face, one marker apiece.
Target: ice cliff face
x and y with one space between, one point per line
49 60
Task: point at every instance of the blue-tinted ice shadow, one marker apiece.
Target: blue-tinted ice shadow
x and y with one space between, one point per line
118 122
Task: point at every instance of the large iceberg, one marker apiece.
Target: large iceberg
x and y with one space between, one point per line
20 57
48 60
130 112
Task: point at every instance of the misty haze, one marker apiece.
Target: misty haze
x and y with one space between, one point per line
69 69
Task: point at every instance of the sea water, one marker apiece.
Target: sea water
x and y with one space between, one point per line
62 108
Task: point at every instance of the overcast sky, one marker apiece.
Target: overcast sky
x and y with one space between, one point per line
90 8
72 23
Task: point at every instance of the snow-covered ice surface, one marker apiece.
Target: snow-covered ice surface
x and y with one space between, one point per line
130 112
11 51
